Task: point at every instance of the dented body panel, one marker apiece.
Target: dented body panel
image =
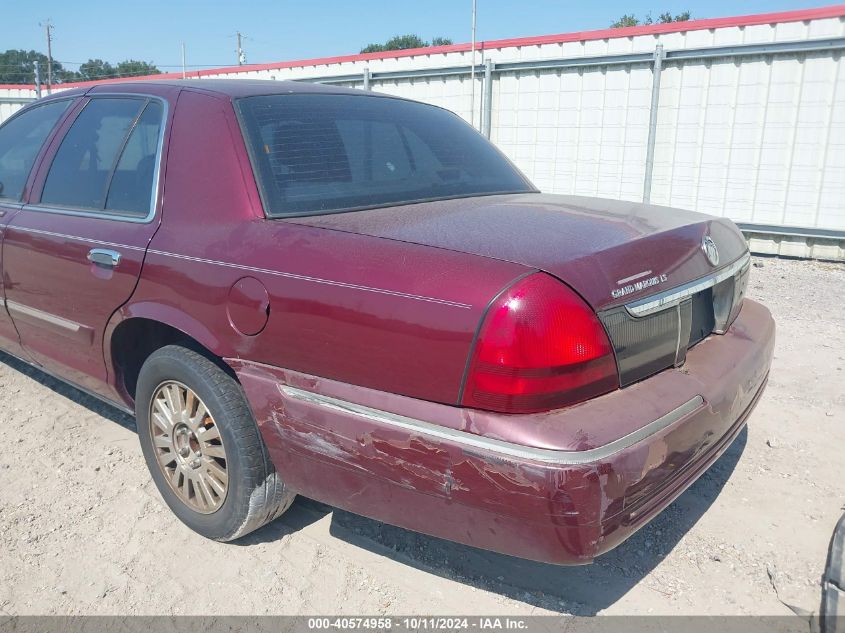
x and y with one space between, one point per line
561 513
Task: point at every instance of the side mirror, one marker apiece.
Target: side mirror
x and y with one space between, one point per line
833 584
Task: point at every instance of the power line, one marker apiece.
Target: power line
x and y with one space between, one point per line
159 65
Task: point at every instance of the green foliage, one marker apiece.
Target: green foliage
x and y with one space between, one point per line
663 18
95 69
18 67
136 68
401 42
98 69
625 20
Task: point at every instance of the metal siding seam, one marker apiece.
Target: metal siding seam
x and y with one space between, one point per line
799 94
823 155
770 64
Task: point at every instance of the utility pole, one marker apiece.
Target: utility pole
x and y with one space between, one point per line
37 80
472 72
48 29
184 73
241 54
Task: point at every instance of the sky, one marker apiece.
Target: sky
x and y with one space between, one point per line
153 30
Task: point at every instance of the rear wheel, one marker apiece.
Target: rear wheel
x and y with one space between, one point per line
203 448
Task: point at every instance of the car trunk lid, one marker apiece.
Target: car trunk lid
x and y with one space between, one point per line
611 252
643 268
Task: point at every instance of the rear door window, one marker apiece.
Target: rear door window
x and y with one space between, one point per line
107 160
21 139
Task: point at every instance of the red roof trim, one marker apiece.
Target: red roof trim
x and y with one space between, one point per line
802 15
833 11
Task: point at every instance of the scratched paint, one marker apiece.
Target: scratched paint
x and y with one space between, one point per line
562 514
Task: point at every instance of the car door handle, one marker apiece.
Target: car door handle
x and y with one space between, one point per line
104 257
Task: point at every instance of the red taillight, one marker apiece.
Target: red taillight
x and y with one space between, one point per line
540 347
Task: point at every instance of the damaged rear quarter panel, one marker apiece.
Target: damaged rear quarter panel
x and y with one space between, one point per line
555 512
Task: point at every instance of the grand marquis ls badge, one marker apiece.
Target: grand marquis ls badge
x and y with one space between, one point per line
710 250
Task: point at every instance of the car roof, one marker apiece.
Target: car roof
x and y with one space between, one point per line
233 88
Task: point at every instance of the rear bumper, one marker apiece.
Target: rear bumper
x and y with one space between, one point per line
559 487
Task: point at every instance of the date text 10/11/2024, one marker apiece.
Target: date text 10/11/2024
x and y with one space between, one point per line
418 623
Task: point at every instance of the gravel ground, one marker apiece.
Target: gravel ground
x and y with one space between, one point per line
83 530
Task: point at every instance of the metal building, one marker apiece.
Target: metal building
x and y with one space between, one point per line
742 116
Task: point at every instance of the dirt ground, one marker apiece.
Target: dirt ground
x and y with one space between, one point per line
83 530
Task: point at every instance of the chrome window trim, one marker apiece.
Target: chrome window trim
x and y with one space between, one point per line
78 238
87 212
76 211
499 447
674 296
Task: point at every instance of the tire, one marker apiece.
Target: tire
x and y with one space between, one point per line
254 492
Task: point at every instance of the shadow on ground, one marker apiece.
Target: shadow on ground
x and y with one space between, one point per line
579 590
91 403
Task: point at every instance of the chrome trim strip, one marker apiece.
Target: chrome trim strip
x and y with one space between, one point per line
633 277
52 319
105 215
655 303
508 449
277 273
77 238
316 280
678 342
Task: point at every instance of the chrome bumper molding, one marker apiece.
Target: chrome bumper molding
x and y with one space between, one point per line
673 296
499 447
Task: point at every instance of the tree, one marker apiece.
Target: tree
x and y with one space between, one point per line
98 69
135 68
95 69
18 67
625 20
663 18
401 42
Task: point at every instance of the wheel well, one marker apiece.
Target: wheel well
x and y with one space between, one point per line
134 340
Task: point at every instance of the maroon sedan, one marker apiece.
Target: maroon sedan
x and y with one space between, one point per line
357 298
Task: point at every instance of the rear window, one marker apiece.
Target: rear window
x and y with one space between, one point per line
327 153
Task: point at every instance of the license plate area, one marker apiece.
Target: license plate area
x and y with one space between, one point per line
655 333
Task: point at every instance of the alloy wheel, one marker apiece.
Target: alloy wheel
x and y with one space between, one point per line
189 448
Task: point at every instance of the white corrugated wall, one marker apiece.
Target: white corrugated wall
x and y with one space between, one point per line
758 139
